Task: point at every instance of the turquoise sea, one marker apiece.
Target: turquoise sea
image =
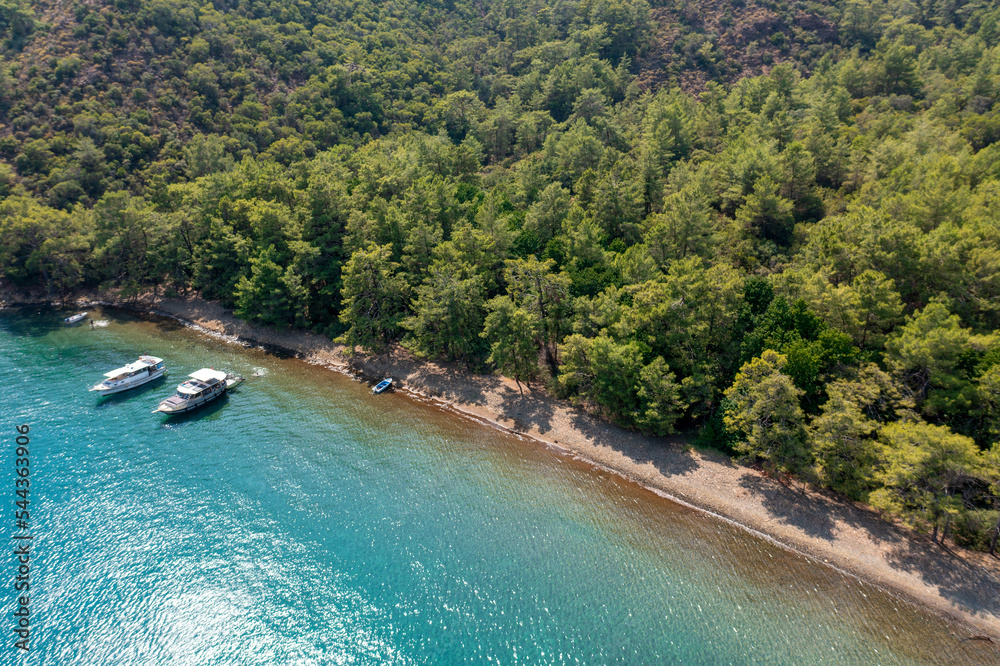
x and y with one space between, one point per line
302 520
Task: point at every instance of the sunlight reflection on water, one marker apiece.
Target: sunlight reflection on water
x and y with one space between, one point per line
303 520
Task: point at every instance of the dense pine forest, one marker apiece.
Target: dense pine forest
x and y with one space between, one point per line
776 225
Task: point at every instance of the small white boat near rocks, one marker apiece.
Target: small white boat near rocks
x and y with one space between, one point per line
382 386
137 373
75 319
202 387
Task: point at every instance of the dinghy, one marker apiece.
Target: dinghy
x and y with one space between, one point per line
382 386
75 319
232 381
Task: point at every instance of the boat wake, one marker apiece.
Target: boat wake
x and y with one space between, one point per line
101 323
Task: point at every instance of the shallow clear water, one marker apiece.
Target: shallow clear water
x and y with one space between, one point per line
303 521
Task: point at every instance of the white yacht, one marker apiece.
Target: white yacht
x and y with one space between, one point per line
203 387
137 373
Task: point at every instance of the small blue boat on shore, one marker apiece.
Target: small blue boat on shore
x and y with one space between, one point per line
382 386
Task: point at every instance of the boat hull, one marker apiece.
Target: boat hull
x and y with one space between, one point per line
126 385
182 407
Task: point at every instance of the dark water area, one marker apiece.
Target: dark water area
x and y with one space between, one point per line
301 520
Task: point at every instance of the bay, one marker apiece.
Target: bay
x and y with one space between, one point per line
302 520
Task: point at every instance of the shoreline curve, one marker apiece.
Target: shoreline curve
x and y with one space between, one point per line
959 586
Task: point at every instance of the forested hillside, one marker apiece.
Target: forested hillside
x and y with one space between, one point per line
777 225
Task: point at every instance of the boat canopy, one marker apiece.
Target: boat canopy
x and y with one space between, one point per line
143 363
208 375
192 387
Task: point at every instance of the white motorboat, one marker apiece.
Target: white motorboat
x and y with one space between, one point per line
382 386
203 387
137 373
75 319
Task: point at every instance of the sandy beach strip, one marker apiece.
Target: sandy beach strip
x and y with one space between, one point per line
961 585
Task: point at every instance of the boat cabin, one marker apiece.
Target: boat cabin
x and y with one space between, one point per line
201 381
146 365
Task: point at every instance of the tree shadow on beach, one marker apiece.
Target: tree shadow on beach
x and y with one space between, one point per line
795 507
527 411
442 380
670 456
815 512
969 579
966 578
170 324
458 385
